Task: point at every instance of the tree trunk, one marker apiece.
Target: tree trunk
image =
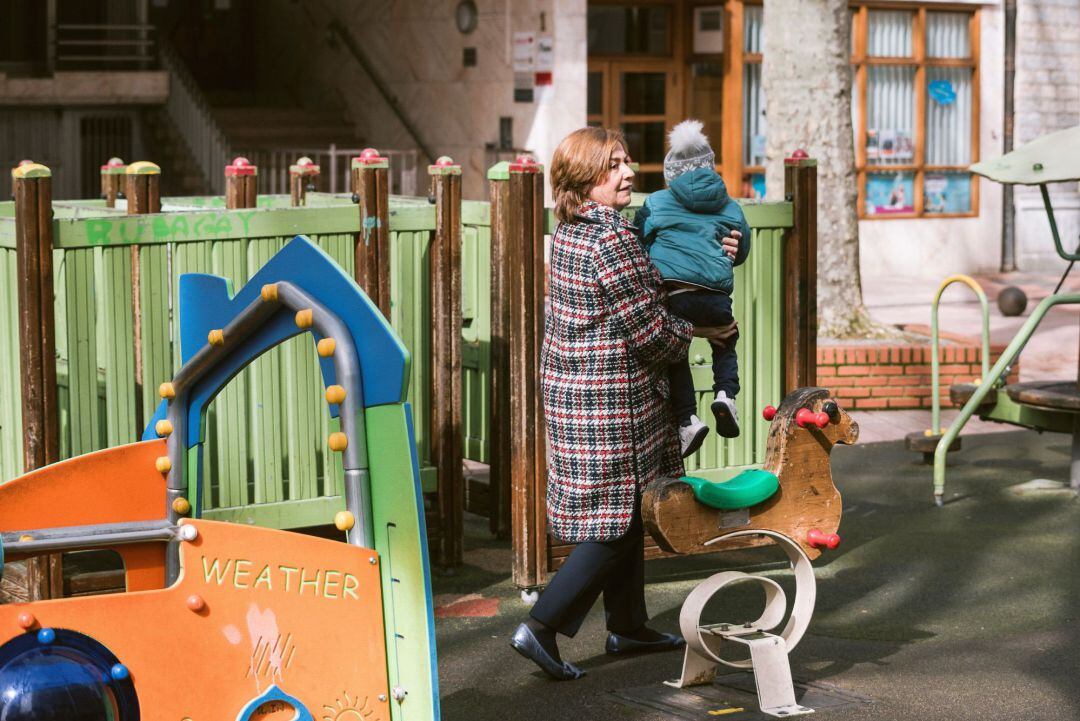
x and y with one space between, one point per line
807 81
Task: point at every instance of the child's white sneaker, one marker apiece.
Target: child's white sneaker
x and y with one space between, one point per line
692 433
727 418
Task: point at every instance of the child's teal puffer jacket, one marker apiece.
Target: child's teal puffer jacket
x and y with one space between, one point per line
683 225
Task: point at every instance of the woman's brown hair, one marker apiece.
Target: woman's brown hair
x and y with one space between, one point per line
579 163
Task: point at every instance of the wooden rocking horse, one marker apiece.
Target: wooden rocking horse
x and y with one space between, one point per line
791 502
793 494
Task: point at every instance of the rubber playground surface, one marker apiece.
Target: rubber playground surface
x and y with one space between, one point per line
970 611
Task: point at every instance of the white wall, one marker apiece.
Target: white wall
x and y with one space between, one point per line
934 248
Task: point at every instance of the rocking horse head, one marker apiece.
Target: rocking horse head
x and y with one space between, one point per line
808 412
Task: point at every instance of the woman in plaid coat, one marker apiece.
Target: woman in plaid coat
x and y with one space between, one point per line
608 343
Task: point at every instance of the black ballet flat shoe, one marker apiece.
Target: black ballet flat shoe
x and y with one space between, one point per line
617 644
524 642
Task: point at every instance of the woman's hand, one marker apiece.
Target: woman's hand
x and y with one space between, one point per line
719 335
731 244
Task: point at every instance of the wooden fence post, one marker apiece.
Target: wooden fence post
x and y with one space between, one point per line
37 345
371 190
302 177
112 181
241 181
446 439
499 400
143 190
800 274
523 255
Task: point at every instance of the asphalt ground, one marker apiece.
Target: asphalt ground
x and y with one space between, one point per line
969 611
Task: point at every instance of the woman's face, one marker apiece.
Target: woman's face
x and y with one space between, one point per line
615 189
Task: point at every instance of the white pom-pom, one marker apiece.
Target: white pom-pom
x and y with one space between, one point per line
687 136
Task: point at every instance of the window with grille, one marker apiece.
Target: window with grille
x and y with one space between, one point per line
914 109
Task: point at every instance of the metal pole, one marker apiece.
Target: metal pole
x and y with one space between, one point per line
1008 209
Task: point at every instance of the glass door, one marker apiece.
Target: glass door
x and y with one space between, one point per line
637 97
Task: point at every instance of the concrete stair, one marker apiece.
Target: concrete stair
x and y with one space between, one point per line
180 174
258 128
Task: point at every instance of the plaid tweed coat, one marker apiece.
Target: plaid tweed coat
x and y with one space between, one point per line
608 342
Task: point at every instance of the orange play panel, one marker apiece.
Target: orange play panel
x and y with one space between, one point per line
258 617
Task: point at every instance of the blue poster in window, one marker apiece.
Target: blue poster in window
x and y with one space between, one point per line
942 91
890 193
757 183
947 193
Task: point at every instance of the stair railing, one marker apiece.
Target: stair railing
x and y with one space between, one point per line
989 380
189 110
335 163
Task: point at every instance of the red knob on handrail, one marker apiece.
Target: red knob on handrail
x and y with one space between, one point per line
817 538
768 412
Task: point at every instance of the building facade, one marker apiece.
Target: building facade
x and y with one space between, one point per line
483 80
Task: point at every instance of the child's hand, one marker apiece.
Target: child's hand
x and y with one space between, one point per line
718 335
731 244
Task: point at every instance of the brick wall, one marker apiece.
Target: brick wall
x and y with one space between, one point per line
1047 91
1046 98
880 377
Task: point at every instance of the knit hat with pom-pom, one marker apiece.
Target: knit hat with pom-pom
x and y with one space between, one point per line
690 149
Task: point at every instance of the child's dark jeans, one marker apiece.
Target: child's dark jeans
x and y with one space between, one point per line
705 308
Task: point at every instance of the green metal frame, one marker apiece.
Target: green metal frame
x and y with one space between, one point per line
935 380
1009 413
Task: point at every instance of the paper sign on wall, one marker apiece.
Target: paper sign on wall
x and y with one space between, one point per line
545 59
524 64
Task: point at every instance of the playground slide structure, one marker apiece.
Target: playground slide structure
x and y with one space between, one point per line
227 621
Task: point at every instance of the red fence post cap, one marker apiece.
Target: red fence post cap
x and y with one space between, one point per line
304 166
799 154
525 164
114 166
370 157
241 166
444 165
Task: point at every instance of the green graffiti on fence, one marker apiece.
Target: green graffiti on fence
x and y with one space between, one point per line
167 228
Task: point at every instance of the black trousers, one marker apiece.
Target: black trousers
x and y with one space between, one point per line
614 568
709 309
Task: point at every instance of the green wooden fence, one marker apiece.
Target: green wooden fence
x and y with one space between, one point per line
267 431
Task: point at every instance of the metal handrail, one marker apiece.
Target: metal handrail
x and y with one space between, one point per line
91 45
935 380
335 163
989 380
189 110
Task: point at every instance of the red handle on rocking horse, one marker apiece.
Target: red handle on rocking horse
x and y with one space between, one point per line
805 417
768 413
818 539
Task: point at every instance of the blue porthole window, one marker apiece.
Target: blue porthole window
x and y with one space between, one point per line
62 675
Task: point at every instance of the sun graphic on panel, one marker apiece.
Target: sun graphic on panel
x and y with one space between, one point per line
347 709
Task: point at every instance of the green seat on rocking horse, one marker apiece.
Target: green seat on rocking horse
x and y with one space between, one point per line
749 488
